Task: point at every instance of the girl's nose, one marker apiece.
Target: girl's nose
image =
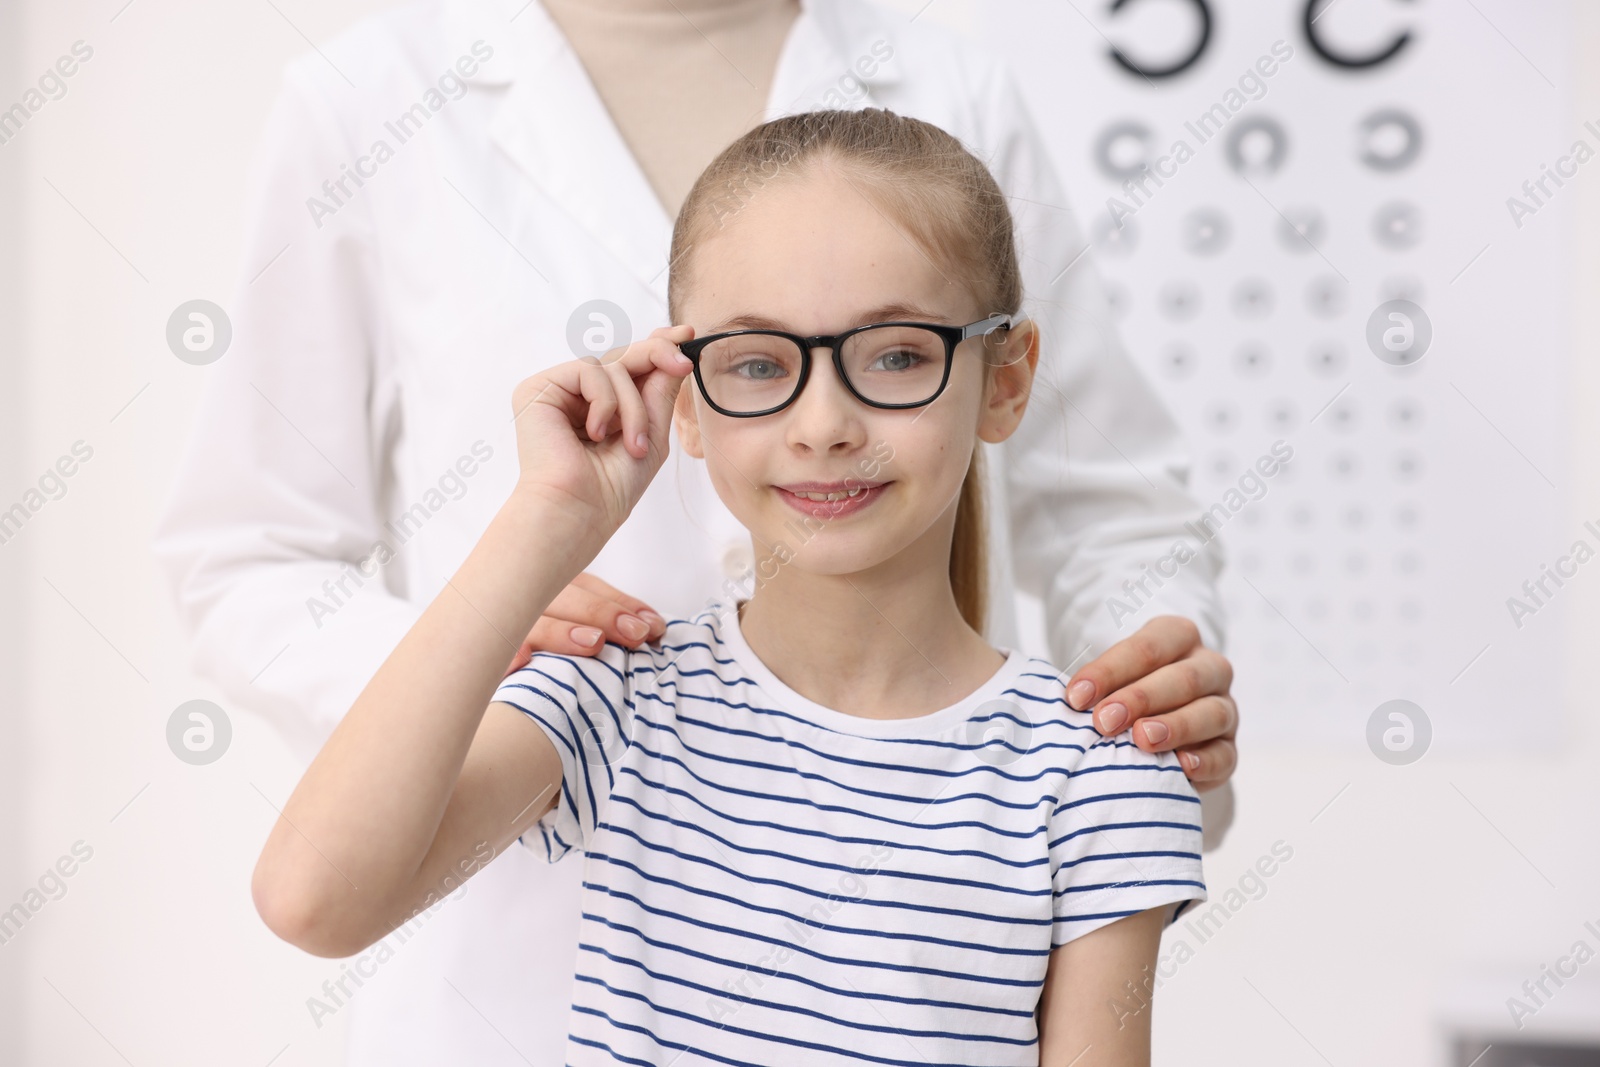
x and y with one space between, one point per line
826 416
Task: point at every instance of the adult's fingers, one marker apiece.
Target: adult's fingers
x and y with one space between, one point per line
1201 673
626 621
1194 723
563 637
1210 764
1162 640
630 604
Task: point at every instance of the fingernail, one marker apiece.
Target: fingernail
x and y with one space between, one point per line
1155 732
632 627
1080 694
683 360
652 618
1190 760
587 636
642 442
1112 717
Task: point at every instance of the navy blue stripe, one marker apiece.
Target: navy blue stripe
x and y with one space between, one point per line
910 875
919 801
555 732
681 949
742 876
771 1039
619 1057
753 936
955 746
978 767
807 802
573 740
1067 864
1037 861
721 994
704 893
1124 826
1099 915
1186 798
869 764
779 713
1129 885
729 660
1171 768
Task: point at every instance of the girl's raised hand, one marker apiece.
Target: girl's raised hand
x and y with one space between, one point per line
592 433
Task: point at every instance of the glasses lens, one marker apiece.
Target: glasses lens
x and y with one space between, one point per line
895 364
750 372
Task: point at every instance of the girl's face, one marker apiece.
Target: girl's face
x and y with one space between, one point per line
814 256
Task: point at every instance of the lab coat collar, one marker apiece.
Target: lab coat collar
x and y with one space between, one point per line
555 128
844 30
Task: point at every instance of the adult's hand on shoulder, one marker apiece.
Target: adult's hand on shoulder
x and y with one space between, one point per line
584 616
1172 690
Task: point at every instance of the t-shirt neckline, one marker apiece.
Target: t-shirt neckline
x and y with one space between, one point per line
931 724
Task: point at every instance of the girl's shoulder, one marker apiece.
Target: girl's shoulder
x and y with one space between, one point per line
1039 691
692 646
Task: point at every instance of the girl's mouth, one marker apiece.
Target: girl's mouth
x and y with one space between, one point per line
835 504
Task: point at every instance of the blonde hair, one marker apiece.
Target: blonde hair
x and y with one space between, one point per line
929 184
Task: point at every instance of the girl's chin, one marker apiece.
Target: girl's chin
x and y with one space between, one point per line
805 553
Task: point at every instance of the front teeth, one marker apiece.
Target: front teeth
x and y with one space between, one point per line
830 496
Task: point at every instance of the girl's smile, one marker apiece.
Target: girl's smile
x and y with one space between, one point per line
831 500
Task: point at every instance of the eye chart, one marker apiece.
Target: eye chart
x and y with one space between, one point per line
1288 203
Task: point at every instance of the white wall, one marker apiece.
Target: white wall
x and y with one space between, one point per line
13 564
1422 890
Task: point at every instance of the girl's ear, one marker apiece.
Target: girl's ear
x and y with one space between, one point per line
1013 356
687 419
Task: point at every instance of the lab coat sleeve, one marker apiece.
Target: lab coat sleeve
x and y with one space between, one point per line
1097 474
279 489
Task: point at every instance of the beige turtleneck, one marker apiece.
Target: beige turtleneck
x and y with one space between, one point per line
681 78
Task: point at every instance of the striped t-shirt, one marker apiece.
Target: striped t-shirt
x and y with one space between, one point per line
769 881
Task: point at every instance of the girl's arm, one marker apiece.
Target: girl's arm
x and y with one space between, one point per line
1094 1010
423 779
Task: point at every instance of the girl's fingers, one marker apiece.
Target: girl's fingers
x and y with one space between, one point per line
630 406
627 373
600 393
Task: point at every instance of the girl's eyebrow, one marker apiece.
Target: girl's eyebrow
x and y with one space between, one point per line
881 313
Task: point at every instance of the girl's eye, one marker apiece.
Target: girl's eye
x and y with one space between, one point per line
765 369
900 359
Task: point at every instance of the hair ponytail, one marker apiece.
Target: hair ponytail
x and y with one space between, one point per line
969 557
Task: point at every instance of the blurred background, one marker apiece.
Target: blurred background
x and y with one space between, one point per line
1418 726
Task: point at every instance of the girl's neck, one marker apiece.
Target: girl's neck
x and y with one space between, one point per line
879 645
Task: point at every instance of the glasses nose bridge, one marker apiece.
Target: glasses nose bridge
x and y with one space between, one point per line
822 348
822 343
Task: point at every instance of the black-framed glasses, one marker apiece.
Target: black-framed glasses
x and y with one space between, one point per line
745 373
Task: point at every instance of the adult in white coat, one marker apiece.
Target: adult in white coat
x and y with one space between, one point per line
442 197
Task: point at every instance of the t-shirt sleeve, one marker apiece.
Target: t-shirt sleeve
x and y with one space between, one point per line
1125 836
585 706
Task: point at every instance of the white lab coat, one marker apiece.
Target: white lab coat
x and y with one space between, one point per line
377 338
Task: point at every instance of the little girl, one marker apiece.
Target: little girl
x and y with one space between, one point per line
829 823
